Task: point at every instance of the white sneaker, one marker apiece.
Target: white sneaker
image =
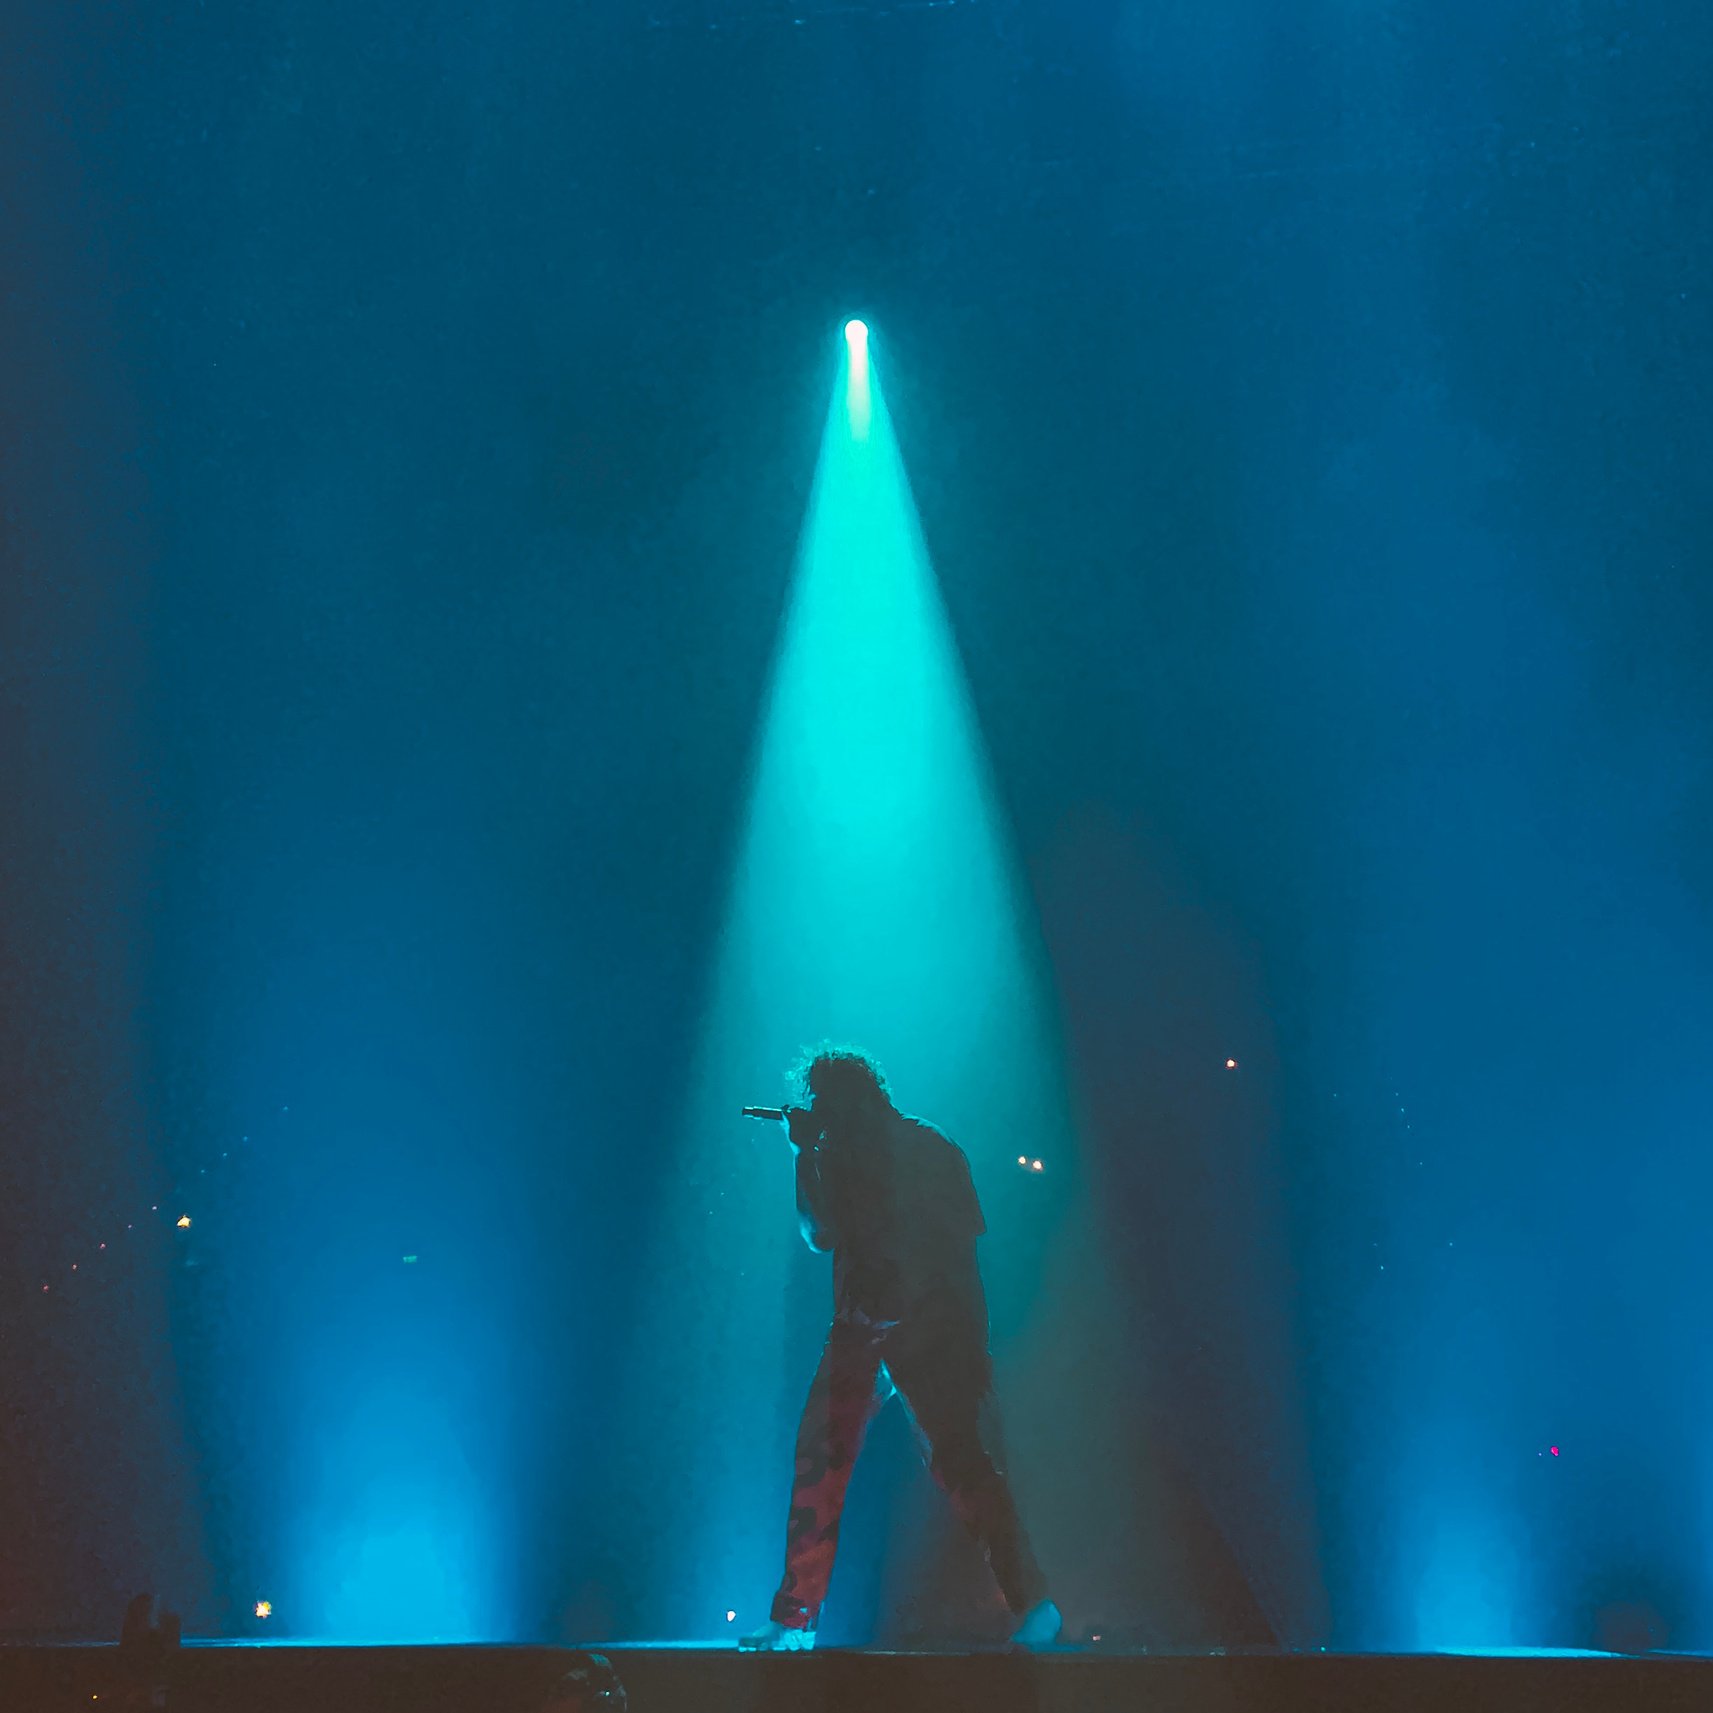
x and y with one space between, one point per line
1039 1627
777 1639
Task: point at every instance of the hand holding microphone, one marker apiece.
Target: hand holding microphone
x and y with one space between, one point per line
799 1122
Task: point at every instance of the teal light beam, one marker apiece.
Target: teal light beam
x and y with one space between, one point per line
873 899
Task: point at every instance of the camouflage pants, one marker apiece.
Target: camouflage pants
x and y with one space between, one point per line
945 1379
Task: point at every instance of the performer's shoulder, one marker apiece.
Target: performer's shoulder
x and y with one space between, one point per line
930 1135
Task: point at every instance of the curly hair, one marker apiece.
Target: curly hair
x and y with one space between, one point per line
842 1073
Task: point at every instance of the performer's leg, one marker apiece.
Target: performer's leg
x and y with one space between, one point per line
947 1385
842 1401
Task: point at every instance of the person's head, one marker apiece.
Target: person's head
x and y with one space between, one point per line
841 1085
590 1686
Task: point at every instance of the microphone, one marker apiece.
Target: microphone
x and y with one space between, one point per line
776 1113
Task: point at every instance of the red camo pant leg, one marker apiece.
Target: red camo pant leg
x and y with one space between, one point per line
843 1398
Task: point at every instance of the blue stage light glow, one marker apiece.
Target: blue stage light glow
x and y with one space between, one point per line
396 1540
359 1399
1467 1587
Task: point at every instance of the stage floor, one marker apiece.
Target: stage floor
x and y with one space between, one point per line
1071 1680
284 1677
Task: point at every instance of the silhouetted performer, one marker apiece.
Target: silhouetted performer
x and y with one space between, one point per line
892 1199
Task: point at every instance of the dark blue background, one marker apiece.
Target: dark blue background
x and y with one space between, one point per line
409 412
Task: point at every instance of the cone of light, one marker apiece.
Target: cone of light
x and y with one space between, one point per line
872 899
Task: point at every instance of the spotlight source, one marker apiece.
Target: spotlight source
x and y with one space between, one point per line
856 332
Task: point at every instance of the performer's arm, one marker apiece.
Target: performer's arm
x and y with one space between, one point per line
813 1215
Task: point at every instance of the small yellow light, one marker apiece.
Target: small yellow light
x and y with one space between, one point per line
1034 1165
1231 1064
264 1608
1023 1159
183 1221
731 1617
